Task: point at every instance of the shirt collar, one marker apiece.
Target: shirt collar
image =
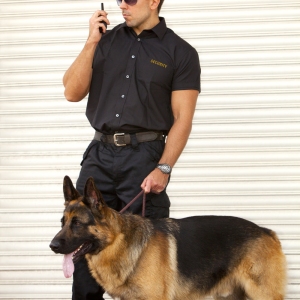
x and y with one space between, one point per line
159 29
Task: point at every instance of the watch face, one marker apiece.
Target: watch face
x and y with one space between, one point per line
165 168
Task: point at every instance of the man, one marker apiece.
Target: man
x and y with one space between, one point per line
143 82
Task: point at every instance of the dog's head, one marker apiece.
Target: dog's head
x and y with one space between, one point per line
84 224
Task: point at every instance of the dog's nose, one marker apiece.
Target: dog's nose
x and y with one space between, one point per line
55 245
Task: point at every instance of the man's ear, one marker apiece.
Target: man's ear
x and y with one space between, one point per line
70 193
154 4
92 196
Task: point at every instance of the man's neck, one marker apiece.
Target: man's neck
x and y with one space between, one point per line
147 25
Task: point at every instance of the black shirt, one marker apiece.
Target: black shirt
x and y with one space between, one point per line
134 76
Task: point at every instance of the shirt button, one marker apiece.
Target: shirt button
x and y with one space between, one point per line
139 39
133 56
127 76
117 115
123 96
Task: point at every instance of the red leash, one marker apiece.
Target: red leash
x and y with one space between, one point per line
134 199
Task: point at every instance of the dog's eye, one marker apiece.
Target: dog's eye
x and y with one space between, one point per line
76 222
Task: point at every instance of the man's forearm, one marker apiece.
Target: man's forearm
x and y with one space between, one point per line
156 181
176 141
183 106
78 77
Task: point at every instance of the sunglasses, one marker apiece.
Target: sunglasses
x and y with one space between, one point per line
128 2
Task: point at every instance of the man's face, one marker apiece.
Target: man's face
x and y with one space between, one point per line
139 16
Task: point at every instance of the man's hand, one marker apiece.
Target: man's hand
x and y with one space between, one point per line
94 25
155 182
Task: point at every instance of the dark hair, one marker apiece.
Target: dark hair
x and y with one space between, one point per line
160 5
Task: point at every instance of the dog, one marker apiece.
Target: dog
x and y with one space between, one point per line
136 258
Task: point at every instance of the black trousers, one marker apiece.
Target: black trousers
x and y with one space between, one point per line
118 173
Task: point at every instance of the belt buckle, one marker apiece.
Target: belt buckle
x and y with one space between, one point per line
116 139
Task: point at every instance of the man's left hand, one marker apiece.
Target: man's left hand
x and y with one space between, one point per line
155 182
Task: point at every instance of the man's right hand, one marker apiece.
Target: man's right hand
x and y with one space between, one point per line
94 25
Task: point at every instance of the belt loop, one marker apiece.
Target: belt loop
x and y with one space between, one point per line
134 141
103 138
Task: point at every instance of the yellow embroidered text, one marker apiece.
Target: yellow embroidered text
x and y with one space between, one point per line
153 61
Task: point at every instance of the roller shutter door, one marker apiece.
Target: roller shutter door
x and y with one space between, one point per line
243 157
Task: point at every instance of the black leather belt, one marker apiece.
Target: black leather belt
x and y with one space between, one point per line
123 139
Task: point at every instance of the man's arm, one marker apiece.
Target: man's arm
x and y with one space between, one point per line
183 106
77 78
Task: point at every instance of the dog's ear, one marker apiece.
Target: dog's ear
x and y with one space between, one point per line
70 192
92 196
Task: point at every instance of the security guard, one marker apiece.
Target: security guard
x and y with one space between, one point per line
143 82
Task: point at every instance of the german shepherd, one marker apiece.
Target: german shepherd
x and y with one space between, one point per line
135 258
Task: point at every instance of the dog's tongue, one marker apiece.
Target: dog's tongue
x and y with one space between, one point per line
68 265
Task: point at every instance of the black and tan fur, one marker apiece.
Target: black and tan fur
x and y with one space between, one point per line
135 258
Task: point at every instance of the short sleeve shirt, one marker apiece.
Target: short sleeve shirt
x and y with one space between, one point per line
134 76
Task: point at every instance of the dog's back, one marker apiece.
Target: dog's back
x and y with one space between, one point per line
223 255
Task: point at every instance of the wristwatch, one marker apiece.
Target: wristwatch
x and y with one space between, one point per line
165 168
